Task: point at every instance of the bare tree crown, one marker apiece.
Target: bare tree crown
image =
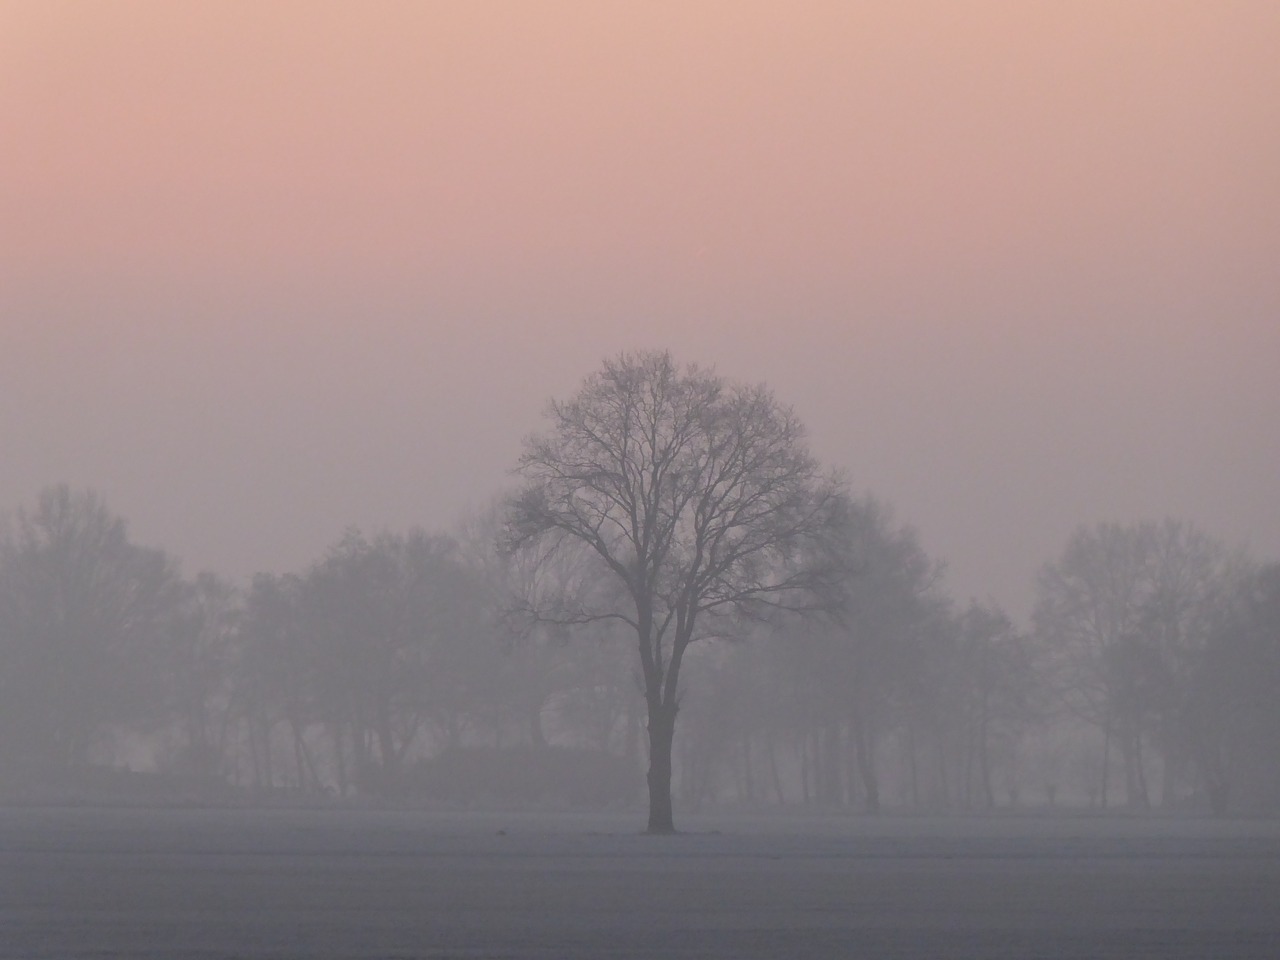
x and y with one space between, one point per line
698 494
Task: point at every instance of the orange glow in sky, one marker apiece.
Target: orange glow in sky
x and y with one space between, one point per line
1014 263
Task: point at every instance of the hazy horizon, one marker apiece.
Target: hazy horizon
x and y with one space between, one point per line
271 271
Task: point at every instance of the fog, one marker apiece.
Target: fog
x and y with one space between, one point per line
269 274
844 437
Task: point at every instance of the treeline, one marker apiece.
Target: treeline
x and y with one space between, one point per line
1149 678
338 681
420 667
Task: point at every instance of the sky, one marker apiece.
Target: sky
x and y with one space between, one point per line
272 270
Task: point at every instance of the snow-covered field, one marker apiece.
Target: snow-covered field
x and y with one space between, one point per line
84 883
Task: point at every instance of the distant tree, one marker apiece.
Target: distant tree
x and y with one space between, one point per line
201 661
550 677
1232 710
1123 615
697 495
862 666
1193 580
1087 615
996 677
396 625
83 616
276 682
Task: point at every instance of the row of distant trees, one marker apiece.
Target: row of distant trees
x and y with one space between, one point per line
1149 677
674 550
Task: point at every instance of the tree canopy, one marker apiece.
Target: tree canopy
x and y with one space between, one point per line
699 495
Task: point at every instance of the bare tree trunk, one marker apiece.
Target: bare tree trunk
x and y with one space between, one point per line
964 786
662 728
804 770
851 765
264 774
914 767
255 762
943 792
1141 794
774 775
1172 763
864 746
299 762
339 755
813 745
831 765
536 735
1106 761
388 758
984 761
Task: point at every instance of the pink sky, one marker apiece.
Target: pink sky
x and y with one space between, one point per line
270 269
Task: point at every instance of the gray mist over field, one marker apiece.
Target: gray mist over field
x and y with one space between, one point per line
443 441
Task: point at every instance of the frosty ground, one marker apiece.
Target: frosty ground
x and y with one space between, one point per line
163 883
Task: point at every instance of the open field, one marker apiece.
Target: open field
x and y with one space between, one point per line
96 883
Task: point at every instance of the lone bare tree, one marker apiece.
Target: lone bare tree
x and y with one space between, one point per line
698 496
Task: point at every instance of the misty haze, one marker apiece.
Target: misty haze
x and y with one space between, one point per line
702 480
